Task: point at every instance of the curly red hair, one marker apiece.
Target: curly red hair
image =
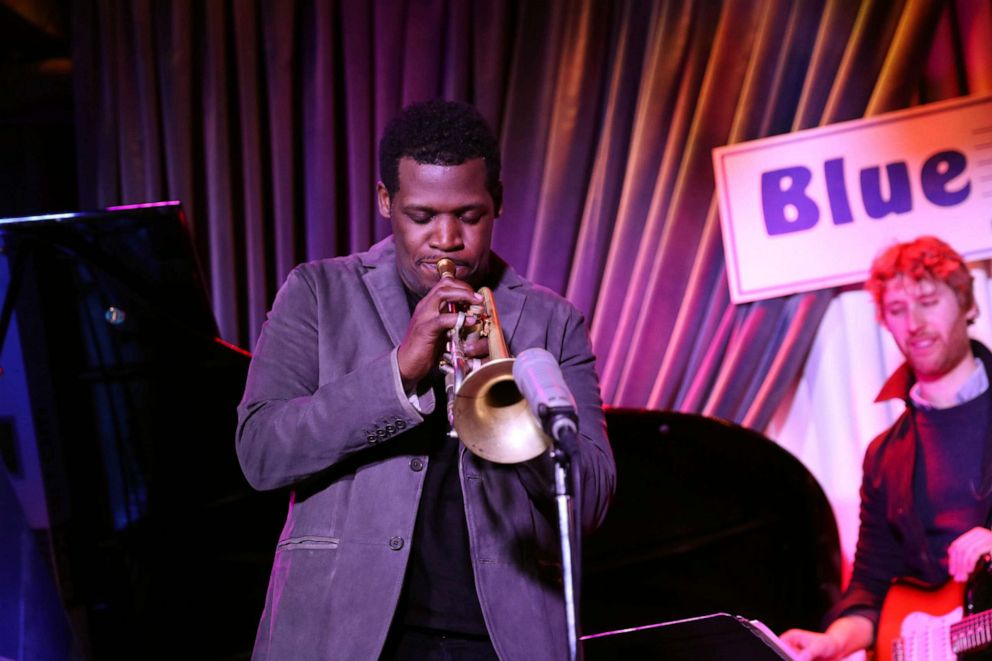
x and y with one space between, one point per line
919 259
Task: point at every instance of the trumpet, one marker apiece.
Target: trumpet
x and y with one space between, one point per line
486 409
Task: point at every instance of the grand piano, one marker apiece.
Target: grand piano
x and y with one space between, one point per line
708 517
158 548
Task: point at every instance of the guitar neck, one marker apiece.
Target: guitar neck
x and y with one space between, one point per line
971 632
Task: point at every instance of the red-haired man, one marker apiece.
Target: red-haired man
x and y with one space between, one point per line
925 497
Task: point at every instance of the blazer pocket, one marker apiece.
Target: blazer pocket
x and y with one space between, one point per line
312 542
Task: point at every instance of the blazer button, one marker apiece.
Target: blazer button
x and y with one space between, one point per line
400 424
396 543
371 438
417 464
381 433
390 429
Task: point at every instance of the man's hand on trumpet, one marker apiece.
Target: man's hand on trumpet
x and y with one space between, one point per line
427 331
474 343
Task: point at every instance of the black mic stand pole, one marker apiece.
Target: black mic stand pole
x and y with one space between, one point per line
563 430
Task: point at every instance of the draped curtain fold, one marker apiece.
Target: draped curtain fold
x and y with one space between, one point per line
263 117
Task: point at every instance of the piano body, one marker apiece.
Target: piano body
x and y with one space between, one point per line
155 537
708 517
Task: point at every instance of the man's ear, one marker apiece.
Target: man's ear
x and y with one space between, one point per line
497 194
972 314
382 196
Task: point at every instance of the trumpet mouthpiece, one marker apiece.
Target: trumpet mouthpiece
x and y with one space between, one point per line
446 268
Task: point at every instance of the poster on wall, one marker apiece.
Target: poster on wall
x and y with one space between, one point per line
811 209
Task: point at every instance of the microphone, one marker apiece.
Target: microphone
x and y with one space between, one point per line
539 378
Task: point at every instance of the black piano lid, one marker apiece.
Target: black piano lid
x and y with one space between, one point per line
145 249
133 400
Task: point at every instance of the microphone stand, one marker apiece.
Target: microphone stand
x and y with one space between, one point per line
561 424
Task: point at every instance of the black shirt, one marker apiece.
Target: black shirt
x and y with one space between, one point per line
947 480
439 588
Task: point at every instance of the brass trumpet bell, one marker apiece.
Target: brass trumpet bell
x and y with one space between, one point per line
492 417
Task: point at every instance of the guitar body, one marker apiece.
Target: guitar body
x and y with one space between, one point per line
905 600
920 623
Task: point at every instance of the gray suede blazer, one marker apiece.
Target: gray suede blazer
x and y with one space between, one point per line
324 412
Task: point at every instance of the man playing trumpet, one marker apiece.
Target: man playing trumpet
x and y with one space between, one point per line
399 543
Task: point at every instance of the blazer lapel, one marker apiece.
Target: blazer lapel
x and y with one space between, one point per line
509 298
386 289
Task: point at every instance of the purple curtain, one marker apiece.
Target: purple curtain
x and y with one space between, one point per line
263 117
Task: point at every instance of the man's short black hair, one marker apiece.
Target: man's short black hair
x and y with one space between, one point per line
438 132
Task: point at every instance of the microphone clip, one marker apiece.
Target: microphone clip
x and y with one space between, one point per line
561 424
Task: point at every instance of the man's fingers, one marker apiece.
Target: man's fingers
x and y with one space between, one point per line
449 291
810 645
965 552
793 638
797 639
429 326
476 348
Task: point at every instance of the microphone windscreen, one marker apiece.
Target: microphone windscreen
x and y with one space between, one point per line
539 378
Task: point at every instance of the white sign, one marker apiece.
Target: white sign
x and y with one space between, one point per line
812 209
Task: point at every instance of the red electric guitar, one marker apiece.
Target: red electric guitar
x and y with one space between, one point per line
953 621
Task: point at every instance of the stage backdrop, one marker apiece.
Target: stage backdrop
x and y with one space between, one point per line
263 116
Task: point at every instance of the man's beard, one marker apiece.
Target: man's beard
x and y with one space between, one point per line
936 363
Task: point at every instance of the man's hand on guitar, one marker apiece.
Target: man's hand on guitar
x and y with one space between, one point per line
965 552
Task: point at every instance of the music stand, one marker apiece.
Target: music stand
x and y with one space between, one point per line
715 637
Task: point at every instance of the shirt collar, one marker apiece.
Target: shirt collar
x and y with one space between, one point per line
976 384
898 385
